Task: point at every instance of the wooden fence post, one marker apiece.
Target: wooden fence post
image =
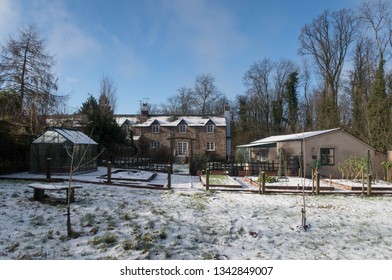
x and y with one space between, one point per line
169 172
109 172
363 181
48 168
262 182
207 178
313 180
317 182
369 186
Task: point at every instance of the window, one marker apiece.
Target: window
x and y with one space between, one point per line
327 156
210 128
127 128
182 128
182 148
155 145
210 146
155 128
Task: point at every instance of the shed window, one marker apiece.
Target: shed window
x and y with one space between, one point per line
327 156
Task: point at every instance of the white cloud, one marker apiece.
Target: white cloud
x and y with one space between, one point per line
208 31
66 39
9 17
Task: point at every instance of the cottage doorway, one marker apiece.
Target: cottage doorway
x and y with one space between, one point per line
182 149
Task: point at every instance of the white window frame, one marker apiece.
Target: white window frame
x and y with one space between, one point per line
155 145
182 149
155 128
210 128
182 128
210 146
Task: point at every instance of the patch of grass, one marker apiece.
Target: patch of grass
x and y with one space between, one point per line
142 242
37 220
158 211
13 247
126 217
150 225
123 204
128 245
111 224
269 179
108 239
179 236
162 234
87 220
198 201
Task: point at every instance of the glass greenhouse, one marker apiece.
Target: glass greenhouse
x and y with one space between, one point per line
55 148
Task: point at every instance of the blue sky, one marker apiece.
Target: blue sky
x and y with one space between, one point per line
151 48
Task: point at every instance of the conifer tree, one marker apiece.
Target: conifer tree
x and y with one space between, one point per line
378 111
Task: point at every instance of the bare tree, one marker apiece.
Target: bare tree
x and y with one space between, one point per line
74 166
181 103
377 16
257 82
206 93
360 83
26 69
107 97
327 39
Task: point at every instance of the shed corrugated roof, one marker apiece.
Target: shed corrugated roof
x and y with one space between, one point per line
289 137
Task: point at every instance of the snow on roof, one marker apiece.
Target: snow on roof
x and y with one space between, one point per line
122 119
173 121
257 144
167 120
291 137
60 135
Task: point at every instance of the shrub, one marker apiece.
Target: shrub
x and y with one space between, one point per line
198 163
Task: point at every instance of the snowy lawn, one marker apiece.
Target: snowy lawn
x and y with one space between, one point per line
189 223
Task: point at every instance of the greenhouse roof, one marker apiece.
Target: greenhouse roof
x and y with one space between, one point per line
61 135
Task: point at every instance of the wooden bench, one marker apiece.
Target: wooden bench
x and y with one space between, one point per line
39 190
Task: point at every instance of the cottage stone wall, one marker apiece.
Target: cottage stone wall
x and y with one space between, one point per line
198 135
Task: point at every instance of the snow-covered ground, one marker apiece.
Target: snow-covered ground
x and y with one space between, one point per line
187 222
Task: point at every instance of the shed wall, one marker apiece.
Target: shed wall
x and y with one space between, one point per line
345 145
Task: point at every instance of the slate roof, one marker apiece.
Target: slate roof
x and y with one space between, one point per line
172 121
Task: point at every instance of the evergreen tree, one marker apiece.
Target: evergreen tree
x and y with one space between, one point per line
101 125
291 98
378 111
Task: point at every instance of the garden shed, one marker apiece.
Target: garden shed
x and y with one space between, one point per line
325 149
54 147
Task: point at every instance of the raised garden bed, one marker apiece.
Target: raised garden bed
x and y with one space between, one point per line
221 181
131 175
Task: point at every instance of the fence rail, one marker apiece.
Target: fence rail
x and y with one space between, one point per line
148 164
244 169
232 169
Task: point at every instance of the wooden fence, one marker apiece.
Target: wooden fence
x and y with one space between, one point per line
244 169
149 164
